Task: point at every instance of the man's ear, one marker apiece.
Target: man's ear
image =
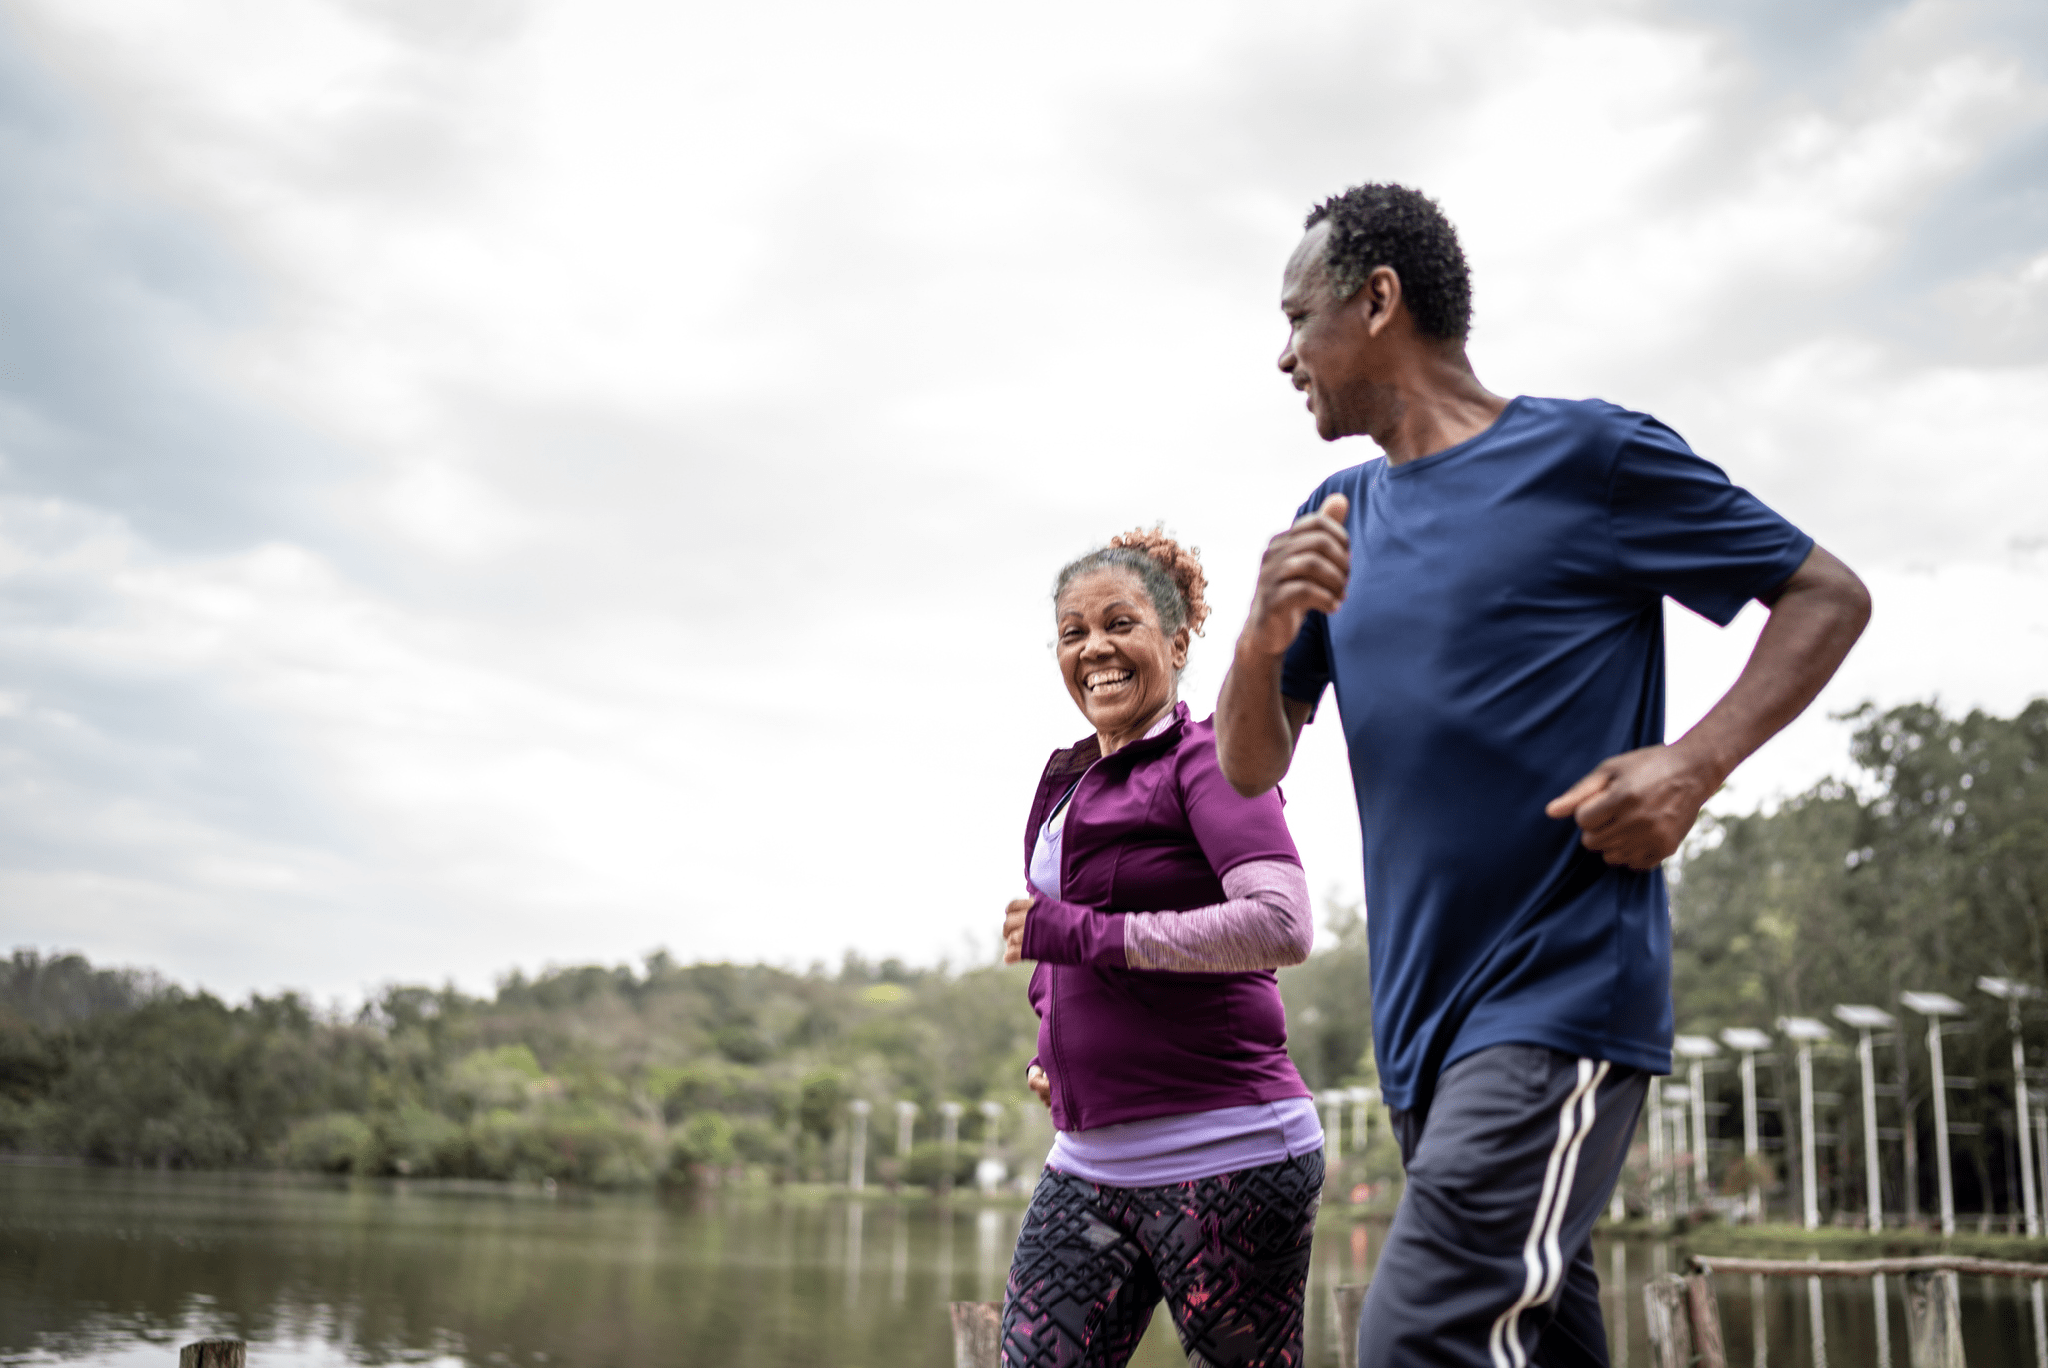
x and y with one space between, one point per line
1380 298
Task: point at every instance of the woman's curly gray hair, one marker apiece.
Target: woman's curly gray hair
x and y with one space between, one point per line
1171 573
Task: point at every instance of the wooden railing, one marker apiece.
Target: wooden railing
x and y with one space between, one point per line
1685 1316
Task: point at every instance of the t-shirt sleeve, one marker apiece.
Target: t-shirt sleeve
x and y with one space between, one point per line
1683 530
1305 669
1230 827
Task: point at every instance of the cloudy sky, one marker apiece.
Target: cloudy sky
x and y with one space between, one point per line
486 483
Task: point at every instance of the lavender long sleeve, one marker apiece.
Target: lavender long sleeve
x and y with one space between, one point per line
1266 924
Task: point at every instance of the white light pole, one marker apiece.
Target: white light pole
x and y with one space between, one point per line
1698 1049
857 1152
1748 1040
1935 1006
2014 993
1361 1098
1331 1104
906 1120
1866 1020
2040 1129
949 1141
1676 1095
1806 1030
1656 1113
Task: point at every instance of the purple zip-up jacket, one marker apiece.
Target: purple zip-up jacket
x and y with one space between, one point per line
1152 828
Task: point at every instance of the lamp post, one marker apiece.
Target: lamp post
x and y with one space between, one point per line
1747 1040
1698 1049
1806 1030
1361 1098
1935 1006
2040 1129
1331 1104
2014 993
1676 1095
1656 1114
949 1142
1866 1020
857 1151
906 1119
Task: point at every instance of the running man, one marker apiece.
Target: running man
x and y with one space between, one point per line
1487 598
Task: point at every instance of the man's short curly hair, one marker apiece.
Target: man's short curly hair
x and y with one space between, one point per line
1393 226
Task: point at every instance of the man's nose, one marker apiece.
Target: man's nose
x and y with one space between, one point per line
1287 358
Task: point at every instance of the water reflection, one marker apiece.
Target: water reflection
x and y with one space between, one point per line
1759 1341
1816 1316
988 1228
899 1254
116 1268
1882 1303
856 1212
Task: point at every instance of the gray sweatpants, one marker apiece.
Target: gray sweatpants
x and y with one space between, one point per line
1489 1261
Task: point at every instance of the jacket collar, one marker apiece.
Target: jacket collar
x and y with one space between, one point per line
1085 752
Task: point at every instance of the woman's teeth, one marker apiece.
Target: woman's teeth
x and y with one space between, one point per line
1102 679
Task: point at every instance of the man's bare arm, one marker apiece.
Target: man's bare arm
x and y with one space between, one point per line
1636 808
1305 569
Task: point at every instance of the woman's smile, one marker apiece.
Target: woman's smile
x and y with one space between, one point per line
1103 681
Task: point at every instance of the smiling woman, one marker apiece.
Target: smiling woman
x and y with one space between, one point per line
1161 902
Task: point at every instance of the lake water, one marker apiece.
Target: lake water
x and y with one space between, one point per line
111 1267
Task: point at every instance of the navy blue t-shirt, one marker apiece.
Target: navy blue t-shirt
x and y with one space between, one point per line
1503 634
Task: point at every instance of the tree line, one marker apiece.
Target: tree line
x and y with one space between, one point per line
1924 868
622 1076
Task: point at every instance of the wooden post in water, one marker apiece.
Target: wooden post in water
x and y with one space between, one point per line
1670 1324
977 1334
1934 1325
1347 1300
214 1352
1703 1309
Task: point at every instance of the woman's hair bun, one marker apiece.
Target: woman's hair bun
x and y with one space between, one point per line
1183 564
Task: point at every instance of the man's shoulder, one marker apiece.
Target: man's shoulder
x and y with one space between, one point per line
1348 482
1580 418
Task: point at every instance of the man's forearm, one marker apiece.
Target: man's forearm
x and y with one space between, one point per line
1816 618
1254 737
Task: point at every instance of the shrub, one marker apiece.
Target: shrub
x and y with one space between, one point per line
334 1143
504 1077
413 1140
574 1146
926 1164
705 1139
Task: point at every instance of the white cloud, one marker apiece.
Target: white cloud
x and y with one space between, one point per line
666 422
